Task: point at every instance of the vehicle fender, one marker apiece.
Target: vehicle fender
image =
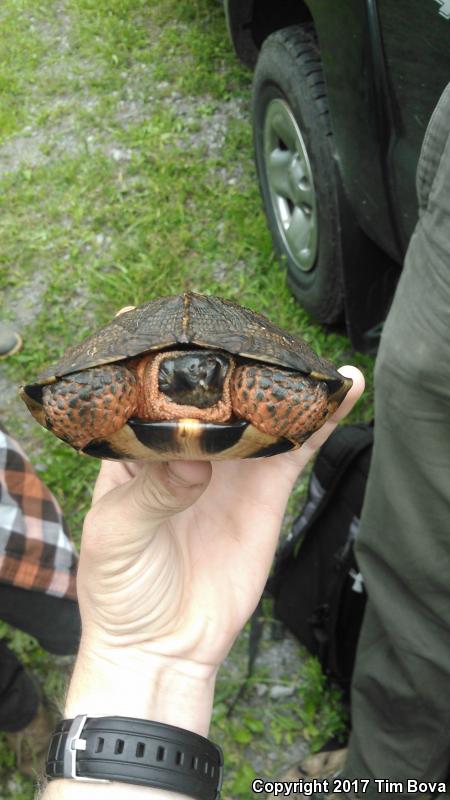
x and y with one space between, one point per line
251 21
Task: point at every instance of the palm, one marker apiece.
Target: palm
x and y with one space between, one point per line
222 548
229 538
192 579
213 557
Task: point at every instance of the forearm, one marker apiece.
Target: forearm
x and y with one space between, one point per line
133 685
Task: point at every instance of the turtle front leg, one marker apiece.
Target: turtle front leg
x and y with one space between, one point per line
90 405
280 402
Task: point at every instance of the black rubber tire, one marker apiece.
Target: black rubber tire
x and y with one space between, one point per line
289 67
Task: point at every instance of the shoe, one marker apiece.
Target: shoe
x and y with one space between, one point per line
323 764
10 341
319 766
30 745
323 767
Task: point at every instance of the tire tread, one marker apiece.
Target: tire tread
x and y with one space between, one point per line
300 44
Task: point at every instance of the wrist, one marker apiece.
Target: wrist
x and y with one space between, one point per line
125 753
131 683
128 682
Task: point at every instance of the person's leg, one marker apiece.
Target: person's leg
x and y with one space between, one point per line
19 695
24 713
24 718
400 703
54 621
400 690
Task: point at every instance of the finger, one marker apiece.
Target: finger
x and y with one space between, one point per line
296 460
112 474
189 472
177 477
130 512
351 398
161 490
354 393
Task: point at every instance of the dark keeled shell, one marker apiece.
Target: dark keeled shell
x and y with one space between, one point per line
192 319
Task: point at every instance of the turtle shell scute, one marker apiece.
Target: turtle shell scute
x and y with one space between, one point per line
191 319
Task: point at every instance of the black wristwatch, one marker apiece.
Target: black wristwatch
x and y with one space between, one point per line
135 751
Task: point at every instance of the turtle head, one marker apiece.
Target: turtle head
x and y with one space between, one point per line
194 378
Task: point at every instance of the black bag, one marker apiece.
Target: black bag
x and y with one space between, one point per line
318 590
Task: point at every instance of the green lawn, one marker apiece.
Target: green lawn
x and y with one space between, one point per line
126 172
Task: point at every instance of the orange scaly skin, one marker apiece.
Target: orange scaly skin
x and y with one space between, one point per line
90 405
98 402
278 401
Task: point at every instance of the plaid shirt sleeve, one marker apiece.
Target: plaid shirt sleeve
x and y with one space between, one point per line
36 551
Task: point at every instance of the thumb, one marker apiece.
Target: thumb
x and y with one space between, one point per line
160 490
128 513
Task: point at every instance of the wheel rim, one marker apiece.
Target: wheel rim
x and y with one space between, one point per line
291 184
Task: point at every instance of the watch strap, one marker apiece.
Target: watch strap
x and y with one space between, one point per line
135 751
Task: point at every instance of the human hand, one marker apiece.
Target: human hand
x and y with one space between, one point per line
175 556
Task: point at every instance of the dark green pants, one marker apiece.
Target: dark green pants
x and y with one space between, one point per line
401 683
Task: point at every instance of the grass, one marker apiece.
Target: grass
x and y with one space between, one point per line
128 173
259 730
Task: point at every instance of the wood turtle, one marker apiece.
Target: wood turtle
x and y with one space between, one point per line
187 377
